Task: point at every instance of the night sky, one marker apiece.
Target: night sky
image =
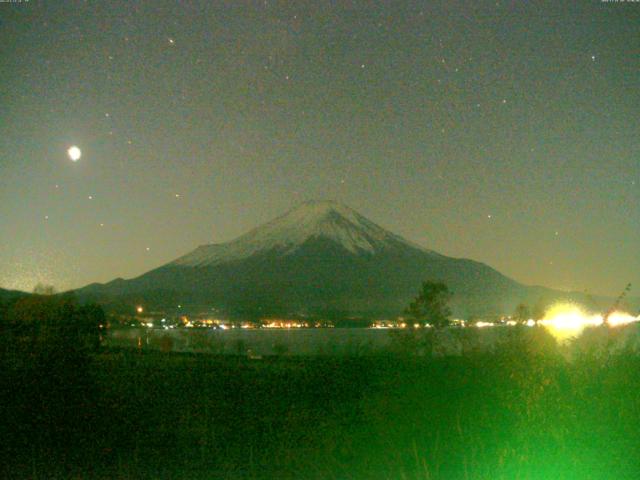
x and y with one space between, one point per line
506 132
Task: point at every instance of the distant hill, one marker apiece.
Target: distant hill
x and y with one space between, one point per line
6 295
320 259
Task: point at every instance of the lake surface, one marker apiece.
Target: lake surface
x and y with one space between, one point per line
350 341
303 341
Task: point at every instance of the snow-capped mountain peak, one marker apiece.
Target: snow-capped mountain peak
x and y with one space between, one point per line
313 219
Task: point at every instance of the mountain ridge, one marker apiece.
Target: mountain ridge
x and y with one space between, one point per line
320 258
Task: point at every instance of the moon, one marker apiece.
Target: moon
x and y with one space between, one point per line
74 153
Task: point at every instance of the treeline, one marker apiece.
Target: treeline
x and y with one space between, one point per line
50 403
40 324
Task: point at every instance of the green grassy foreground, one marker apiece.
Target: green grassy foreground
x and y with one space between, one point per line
519 413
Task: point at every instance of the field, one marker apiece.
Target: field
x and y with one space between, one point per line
521 412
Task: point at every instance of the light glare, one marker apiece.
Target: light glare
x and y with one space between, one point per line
74 153
567 320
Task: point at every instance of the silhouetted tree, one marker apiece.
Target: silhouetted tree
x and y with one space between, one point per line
46 340
616 304
42 289
522 313
538 311
46 323
431 305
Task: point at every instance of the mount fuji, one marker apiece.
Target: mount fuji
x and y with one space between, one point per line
289 233
320 259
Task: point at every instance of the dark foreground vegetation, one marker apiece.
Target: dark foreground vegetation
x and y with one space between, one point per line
70 410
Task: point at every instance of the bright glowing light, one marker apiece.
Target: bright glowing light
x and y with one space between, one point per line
484 324
621 318
567 320
139 309
74 153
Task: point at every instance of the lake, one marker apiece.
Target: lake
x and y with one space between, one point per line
295 341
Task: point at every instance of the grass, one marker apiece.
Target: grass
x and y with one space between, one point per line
517 413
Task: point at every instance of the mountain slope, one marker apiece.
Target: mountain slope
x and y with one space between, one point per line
323 259
289 232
